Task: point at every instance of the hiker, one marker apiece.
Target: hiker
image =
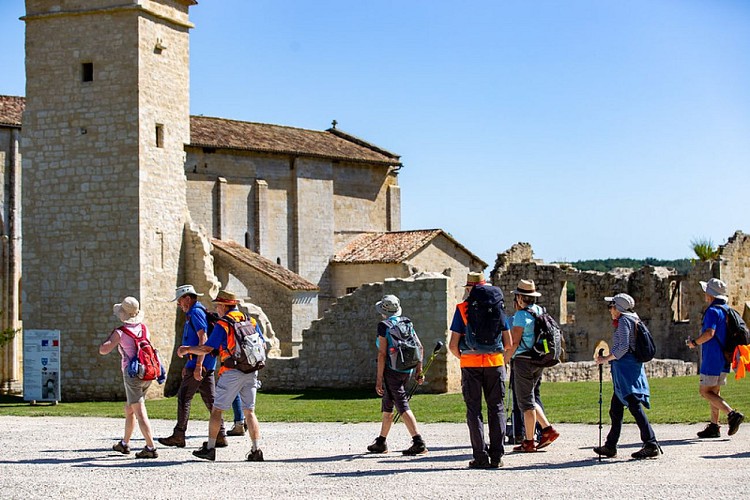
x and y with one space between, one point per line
482 371
231 381
629 380
198 372
390 382
130 314
527 375
714 366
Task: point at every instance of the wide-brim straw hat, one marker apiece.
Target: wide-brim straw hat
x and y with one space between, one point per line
185 290
227 298
526 287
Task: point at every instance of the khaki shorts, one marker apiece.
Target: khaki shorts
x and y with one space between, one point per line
714 380
233 382
135 389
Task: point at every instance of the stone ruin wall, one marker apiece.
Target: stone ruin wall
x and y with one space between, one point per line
671 304
338 350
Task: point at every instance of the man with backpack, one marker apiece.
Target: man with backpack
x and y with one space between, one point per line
714 365
527 373
237 374
198 373
399 354
479 336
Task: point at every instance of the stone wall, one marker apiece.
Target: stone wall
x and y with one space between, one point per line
588 370
339 348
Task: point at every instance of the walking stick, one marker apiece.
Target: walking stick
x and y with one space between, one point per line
435 351
601 350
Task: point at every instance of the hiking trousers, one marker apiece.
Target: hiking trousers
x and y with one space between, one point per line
489 382
188 387
616 413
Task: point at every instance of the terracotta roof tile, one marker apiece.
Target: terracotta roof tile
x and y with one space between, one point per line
278 273
391 247
263 137
11 110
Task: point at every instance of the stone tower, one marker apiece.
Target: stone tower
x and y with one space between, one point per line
104 130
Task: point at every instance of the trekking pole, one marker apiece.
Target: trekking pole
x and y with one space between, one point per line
601 370
435 351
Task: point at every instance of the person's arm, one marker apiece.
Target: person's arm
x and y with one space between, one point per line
453 344
112 341
704 337
515 335
382 352
198 372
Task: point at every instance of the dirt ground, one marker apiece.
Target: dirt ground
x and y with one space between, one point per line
72 458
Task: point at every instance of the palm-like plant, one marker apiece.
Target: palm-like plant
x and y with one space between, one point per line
704 249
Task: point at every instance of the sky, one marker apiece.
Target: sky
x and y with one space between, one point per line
590 129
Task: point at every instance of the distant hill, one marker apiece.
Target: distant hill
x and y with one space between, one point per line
682 266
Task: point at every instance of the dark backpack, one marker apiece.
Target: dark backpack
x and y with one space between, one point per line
547 346
486 319
146 364
645 348
249 352
737 333
404 349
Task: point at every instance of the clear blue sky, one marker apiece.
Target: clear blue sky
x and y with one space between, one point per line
588 128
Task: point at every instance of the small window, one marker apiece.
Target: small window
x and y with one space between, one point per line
159 136
87 72
351 289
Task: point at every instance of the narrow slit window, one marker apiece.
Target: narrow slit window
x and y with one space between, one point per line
159 136
87 72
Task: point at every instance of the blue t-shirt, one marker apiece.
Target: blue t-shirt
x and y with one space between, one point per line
713 361
196 321
526 321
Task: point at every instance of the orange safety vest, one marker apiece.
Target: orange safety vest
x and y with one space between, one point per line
477 360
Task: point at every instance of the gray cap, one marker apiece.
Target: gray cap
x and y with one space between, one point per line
622 302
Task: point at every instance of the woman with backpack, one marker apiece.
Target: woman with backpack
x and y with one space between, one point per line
527 374
631 388
125 338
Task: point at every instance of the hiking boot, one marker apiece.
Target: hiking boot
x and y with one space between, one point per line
205 453
147 453
417 448
605 451
175 439
526 446
379 446
237 430
480 464
648 451
255 456
734 419
496 463
221 441
712 430
122 448
548 435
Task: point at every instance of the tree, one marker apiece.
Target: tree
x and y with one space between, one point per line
704 249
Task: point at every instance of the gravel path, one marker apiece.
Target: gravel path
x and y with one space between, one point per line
71 458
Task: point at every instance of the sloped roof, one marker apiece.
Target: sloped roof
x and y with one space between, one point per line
221 133
391 247
274 271
11 110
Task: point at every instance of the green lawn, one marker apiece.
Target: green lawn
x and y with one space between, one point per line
674 400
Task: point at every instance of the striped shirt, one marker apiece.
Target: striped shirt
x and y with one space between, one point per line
624 337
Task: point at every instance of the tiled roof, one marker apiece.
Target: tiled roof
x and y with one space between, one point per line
278 273
391 247
11 110
221 133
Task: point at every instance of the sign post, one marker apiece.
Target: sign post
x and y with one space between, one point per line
41 365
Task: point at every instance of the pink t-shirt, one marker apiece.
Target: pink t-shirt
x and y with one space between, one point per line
127 346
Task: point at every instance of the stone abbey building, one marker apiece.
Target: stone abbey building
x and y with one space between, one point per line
113 189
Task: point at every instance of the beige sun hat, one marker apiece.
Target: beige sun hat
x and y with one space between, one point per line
185 290
526 287
129 311
475 278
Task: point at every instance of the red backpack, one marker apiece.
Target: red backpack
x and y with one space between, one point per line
145 364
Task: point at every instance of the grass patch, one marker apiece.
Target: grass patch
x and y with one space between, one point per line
674 400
